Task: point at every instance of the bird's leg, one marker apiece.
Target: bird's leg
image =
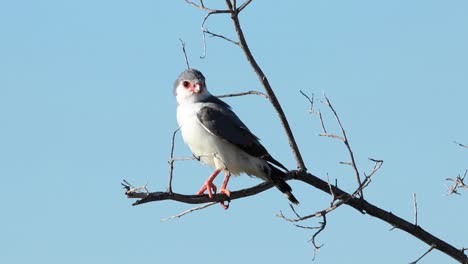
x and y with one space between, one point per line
224 185
224 190
209 186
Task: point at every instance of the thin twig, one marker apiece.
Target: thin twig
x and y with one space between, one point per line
427 252
179 215
348 147
332 136
204 30
242 94
202 7
185 53
311 101
459 183
171 161
244 5
313 111
322 227
220 36
415 206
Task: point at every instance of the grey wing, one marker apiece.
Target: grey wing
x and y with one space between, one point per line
222 122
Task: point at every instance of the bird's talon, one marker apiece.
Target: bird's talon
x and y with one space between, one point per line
208 186
225 206
225 191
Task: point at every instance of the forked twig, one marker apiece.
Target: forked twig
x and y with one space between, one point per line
348 147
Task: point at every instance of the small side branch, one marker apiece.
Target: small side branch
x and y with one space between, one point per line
423 255
188 211
243 93
185 53
348 147
415 206
171 161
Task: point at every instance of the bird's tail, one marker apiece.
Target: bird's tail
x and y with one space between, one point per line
277 177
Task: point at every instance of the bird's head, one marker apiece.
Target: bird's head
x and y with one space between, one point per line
190 86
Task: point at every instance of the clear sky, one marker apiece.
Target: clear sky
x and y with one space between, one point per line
86 101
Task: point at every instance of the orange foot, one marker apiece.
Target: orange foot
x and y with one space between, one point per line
225 191
208 186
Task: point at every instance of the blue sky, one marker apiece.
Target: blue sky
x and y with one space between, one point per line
86 101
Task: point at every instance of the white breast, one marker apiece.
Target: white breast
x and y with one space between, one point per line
213 150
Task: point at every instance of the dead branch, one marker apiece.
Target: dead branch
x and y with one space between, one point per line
345 140
359 204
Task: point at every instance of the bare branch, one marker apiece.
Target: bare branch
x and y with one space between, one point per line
220 36
204 30
185 53
202 7
427 252
244 5
312 111
266 84
332 136
321 228
348 147
171 161
242 94
311 101
188 211
343 197
359 204
459 183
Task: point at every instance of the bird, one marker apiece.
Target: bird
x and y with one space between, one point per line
218 138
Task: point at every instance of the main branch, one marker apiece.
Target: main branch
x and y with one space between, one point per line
359 204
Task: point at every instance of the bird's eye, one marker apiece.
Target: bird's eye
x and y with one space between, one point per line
186 84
